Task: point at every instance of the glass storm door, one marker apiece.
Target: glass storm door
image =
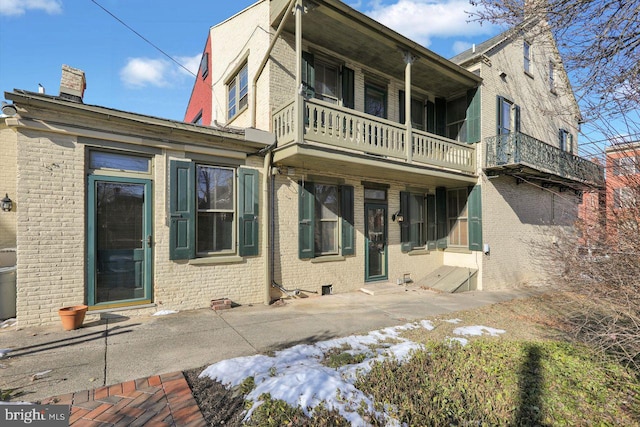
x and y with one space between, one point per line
376 242
119 241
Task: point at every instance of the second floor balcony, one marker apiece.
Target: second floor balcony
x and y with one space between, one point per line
524 156
357 132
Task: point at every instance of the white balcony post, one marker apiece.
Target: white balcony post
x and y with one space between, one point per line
408 60
299 103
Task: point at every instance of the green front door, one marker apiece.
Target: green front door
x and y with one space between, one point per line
376 241
119 241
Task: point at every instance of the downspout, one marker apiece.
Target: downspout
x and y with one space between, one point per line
254 84
267 214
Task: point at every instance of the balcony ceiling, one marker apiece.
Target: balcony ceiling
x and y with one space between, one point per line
341 29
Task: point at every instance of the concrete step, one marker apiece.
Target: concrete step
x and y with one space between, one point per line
382 288
450 279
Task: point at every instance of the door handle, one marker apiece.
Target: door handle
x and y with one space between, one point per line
149 241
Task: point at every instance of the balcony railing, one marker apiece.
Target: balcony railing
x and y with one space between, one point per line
519 149
345 128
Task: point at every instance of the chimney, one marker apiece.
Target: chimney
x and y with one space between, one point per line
72 84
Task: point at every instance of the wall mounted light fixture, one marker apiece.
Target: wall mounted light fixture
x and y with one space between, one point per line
6 203
9 109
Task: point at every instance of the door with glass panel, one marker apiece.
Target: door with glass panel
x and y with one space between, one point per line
376 241
119 241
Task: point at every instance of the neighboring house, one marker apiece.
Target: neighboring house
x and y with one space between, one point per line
392 161
104 200
532 179
623 193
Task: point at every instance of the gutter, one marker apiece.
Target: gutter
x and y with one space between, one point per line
254 83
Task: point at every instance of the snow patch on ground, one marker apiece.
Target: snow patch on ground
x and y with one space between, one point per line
164 312
478 331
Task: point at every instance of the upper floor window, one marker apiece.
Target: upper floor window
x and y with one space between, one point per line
627 165
508 116
625 197
204 65
418 116
526 47
326 82
375 100
565 140
456 119
237 92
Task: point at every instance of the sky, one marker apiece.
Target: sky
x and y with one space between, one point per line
298 376
125 72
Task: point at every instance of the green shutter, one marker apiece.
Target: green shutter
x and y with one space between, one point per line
306 219
499 101
441 217
431 222
182 210
474 210
405 231
347 214
348 88
473 115
308 75
248 211
441 116
517 124
431 117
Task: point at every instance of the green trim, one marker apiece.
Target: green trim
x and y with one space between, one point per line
308 75
248 210
348 88
474 212
442 234
348 220
473 115
147 251
368 277
306 220
182 210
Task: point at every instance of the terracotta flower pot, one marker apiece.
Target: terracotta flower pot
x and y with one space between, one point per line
72 317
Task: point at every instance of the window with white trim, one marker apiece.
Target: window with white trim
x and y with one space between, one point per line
238 92
216 214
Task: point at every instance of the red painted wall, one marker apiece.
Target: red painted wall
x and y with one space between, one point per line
201 95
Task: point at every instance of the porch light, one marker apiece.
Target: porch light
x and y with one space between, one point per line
6 203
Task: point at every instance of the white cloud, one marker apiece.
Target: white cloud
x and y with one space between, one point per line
460 46
20 7
421 20
191 63
141 72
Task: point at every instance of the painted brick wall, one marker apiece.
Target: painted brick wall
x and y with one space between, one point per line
51 226
8 178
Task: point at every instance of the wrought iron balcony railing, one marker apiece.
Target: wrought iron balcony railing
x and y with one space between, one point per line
517 149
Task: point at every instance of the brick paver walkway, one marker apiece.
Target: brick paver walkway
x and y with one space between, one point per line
161 400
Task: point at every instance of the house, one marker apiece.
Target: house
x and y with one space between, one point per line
490 174
623 194
532 179
104 200
321 152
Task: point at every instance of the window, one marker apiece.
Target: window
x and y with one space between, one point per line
418 116
448 218
456 117
123 162
624 197
508 116
327 81
215 220
552 77
237 92
457 217
326 220
627 165
375 101
526 47
212 211
197 119
565 140
326 84
204 65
